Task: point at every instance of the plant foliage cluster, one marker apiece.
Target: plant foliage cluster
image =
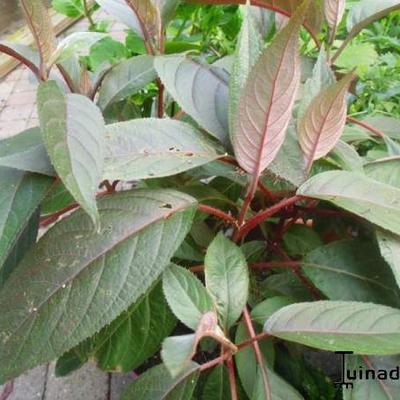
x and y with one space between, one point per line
198 203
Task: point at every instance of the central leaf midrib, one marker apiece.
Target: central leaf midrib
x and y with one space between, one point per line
89 262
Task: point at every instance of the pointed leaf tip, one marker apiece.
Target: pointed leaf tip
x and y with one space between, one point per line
265 106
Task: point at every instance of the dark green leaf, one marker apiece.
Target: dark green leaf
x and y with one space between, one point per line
126 79
186 295
157 384
26 152
358 270
20 195
56 297
187 80
373 389
73 133
151 148
227 278
363 328
374 201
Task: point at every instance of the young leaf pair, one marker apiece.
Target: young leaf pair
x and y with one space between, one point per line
225 295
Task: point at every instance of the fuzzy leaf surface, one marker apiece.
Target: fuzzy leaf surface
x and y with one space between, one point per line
265 106
322 124
20 196
374 201
334 11
157 384
186 295
364 328
26 152
358 270
56 296
39 22
126 79
187 80
227 278
73 133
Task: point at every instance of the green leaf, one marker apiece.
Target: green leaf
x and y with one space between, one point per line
385 170
248 49
39 22
300 239
70 8
26 239
26 152
389 245
76 44
358 270
125 79
363 328
250 373
187 80
136 334
267 100
346 157
262 311
74 272
57 199
227 278
152 148
20 196
177 351
376 202
217 385
120 10
365 12
140 329
289 162
357 55
157 384
73 133
373 389
186 295
322 76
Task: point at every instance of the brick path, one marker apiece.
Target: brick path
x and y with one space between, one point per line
17 113
18 89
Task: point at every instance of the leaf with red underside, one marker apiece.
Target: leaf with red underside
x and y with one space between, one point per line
148 15
265 107
39 22
313 19
322 124
333 11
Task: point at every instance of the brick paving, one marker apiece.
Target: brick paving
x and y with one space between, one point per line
18 89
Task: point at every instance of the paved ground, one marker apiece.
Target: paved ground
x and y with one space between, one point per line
18 112
86 384
18 89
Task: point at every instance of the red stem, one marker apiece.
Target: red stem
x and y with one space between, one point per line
366 126
8 389
216 361
263 215
314 292
249 342
218 213
257 352
232 378
46 221
12 53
